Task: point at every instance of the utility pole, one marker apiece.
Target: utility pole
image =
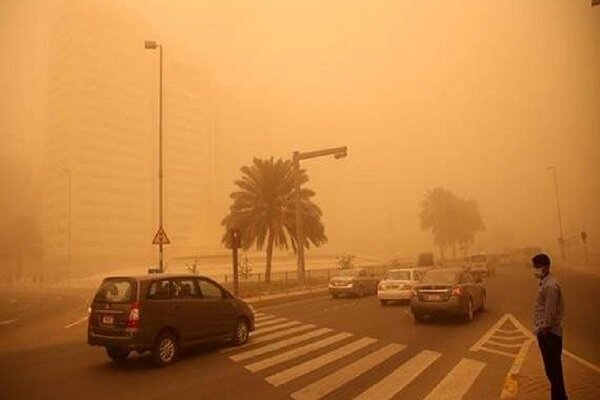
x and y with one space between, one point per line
561 238
68 172
161 237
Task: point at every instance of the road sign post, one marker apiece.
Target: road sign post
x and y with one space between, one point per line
160 238
235 245
585 248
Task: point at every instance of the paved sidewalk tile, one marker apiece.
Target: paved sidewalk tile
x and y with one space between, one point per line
582 382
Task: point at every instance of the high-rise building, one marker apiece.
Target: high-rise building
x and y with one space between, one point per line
102 140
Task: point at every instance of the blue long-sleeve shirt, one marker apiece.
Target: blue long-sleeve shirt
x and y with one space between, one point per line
549 306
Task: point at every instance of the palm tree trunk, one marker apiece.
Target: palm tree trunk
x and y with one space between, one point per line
269 257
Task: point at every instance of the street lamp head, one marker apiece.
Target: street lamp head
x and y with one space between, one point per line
150 44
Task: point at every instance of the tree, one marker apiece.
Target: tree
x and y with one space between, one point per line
452 220
264 210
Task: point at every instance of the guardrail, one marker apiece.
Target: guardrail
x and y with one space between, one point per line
254 284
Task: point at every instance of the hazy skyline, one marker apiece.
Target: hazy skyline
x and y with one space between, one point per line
479 100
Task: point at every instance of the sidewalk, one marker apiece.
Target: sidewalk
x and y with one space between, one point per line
582 381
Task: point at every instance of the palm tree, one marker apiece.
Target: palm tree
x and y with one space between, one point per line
452 220
263 209
437 214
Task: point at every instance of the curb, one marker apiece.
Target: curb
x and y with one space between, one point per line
282 298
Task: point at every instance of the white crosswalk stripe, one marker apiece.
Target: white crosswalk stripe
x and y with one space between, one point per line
331 382
279 345
456 384
264 318
399 378
275 327
297 352
265 338
270 322
292 373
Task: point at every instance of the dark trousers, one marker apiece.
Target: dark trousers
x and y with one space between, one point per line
551 348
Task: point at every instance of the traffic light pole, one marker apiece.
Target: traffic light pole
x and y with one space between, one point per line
337 152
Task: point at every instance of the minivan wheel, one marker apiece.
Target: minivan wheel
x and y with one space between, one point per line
383 302
483 303
419 318
165 349
117 354
241 332
469 311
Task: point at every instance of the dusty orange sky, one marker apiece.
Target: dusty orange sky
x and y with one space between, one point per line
478 99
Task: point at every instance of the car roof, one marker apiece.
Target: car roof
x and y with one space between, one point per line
455 269
149 277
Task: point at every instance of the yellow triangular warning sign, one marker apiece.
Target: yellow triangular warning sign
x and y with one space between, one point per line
161 237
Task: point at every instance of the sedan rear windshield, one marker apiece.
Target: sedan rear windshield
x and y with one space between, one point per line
116 291
398 275
349 272
439 277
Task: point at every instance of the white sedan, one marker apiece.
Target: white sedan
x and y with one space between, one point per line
397 284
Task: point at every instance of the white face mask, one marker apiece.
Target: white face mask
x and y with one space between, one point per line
538 273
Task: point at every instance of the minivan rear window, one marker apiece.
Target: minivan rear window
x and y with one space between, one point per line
116 290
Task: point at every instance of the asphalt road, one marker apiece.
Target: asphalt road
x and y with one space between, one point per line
334 349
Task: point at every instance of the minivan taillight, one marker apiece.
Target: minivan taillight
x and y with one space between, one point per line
134 316
457 292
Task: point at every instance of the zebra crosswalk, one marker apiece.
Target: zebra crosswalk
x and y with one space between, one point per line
292 353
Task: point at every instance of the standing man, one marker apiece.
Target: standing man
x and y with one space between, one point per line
547 316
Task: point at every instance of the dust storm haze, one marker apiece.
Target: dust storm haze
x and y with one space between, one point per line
479 100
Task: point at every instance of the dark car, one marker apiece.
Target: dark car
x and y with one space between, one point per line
449 291
353 281
160 313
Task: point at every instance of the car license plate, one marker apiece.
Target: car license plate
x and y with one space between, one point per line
433 297
108 320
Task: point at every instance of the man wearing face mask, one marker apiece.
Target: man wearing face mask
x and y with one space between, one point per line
547 316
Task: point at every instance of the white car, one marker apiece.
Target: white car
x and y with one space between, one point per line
397 284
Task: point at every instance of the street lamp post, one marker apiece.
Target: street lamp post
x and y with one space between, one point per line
152 45
68 172
561 239
337 152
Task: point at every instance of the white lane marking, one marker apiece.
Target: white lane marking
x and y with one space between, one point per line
457 383
278 345
276 327
521 338
399 378
297 371
508 331
79 321
271 322
259 314
268 337
331 382
9 321
264 318
499 352
300 351
507 345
